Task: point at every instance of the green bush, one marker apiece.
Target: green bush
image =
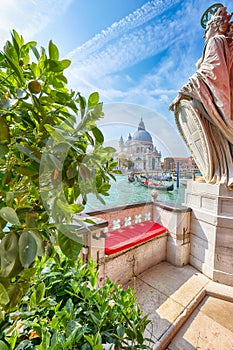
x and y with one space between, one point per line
66 309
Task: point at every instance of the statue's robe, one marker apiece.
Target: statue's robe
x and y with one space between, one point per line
211 90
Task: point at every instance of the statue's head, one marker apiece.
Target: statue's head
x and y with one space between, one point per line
218 24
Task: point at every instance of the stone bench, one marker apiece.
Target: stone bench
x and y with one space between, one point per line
131 236
131 250
121 253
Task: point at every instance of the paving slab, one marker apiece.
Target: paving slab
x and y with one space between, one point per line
162 311
210 327
187 310
168 278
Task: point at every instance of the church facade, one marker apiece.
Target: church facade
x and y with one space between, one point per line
140 150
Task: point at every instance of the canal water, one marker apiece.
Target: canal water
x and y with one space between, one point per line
124 192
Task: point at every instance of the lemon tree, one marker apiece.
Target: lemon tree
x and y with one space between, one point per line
51 157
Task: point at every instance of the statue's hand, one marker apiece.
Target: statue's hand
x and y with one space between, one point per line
175 102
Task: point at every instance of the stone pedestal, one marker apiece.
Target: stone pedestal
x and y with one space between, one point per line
211 250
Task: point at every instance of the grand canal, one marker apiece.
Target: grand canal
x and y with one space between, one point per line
124 192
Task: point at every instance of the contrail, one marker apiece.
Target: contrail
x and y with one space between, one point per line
142 15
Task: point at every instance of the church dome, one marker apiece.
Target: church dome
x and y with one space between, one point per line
141 134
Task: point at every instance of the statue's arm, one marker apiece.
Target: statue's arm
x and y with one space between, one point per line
176 101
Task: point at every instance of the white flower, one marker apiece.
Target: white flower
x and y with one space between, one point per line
111 303
89 285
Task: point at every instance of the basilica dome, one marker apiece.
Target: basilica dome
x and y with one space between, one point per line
141 134
139 149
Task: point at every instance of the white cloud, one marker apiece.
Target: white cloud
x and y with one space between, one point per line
126 43
28 17
139 17
105 59
143 34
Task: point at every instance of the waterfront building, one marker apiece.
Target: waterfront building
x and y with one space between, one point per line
140 150
187 166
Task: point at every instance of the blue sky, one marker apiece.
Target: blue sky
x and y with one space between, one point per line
136 53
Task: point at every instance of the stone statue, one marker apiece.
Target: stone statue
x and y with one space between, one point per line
204 106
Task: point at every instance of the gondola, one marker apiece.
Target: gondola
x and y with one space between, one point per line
158 186
131 178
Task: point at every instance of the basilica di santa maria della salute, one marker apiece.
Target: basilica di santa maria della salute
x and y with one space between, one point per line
140 150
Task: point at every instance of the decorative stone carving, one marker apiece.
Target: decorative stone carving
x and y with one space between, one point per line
204 107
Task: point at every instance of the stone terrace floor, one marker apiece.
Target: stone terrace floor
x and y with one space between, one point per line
188 311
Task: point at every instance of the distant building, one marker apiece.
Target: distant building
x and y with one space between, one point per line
139 149
187 166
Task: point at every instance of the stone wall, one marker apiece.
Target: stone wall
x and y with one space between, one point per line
211 230
176 218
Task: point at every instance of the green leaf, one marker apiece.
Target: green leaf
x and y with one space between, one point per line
98 110
35 70
4 131
77 208
27 248
15 66
9 249
10 198
15 292
40 292
53 51
109 150
89 339
84 172
82 104
39 241
4 298
57 66
28 152
56 162
17 41
45 341
98 347
10 51
69 306
71 172
93 99
27 170
65 63
55 133
68 246
98 135
10 216
71 231
35 51
3 346
10 264
3 150
120 331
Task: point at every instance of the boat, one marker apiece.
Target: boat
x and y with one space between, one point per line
158 186
131 178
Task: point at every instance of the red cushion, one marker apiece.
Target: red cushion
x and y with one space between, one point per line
130 236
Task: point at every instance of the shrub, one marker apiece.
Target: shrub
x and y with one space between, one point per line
66 309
